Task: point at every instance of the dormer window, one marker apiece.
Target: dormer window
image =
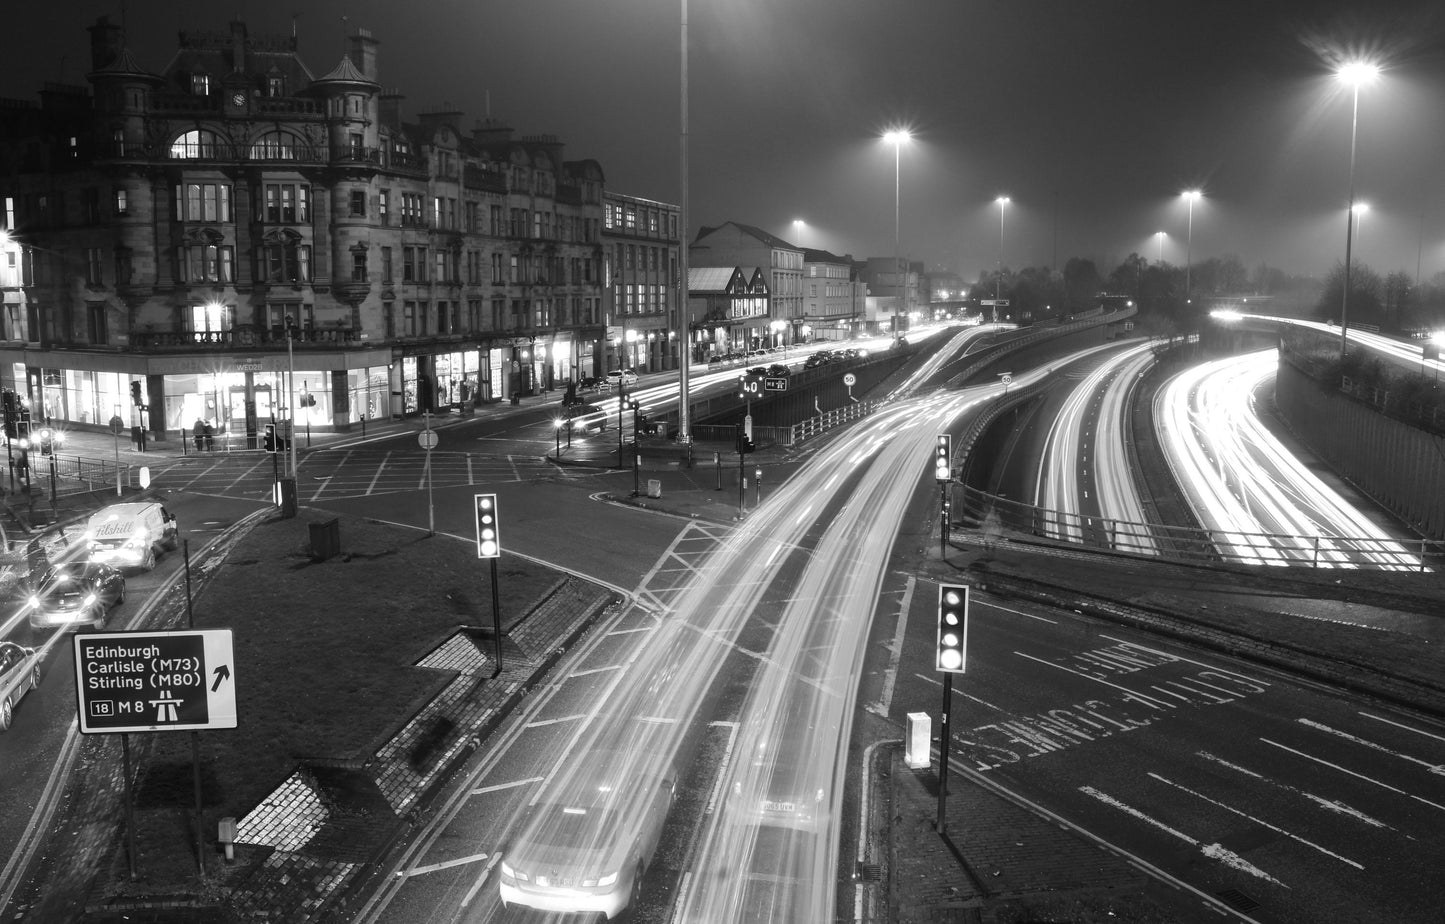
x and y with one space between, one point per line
275 86
200 85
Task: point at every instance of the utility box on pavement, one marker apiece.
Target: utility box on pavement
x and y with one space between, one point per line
325 540
917 748
286 496
654 487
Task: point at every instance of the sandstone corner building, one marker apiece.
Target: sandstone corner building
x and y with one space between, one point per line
197 244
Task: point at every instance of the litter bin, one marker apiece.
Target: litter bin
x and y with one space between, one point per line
325 540
654 487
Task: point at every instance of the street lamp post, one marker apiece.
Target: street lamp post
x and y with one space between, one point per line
1190 196
1159 236
1354 73
897 138
684 321
998 276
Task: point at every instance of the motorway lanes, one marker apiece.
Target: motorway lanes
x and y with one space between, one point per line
1264 504
776 612
1314 805
1085 472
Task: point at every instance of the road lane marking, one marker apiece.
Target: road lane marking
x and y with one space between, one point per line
380 467
1128 693
539 723
895 651
1418 731
1262 684
481 880
1362 742
1013 612
715 794
1258 821
445 864
1367 779
483 790
596 670
1213 851
1329 805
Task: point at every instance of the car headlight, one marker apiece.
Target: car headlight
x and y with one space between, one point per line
609 879
90 600
33 602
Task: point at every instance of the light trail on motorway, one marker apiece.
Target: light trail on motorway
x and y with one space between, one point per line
1062 483
1242 483
813 559
1404 351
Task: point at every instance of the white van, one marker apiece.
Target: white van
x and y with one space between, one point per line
131 535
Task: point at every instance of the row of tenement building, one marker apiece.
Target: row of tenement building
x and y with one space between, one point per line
174 244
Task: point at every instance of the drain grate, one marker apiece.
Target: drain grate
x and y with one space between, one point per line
1238 900
870 872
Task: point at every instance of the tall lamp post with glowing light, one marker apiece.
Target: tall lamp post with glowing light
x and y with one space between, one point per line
1354 73
1159 236
898 139
1190 196
1002 201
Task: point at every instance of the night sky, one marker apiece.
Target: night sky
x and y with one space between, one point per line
1091 116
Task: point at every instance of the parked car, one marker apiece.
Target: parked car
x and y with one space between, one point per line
820 358
758 370
621 377
586 850
131 535
778 370
74 594
19 674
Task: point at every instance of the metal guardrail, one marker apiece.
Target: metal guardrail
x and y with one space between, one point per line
88 474
813 426
997 516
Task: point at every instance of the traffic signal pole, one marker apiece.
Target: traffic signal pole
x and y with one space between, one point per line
942 823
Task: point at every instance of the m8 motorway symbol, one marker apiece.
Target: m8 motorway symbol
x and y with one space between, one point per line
155 681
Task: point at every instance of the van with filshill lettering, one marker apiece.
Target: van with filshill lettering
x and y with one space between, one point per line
131 535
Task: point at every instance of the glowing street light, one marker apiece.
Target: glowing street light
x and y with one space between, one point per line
1191 196
898 138
1159 236
1353 73
1359 209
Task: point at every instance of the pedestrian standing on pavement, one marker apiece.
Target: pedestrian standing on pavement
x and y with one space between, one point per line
200 433
210 436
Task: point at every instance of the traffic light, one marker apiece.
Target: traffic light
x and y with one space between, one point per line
135 393
952 628
9 405
268 438
489 543
943 458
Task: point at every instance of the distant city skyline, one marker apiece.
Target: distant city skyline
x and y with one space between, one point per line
1092 118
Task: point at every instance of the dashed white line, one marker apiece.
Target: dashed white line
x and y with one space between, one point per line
1363 742
1213 851
1361 776
1258 821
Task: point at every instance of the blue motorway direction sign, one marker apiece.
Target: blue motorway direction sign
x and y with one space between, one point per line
155 681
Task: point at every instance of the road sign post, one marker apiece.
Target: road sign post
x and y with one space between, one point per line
428 440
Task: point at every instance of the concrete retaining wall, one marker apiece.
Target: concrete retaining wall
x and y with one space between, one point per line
1401 467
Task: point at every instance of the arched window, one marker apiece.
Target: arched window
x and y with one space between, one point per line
275 146
194 144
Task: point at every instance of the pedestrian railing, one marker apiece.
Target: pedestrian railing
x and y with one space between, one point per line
997 516
813 426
